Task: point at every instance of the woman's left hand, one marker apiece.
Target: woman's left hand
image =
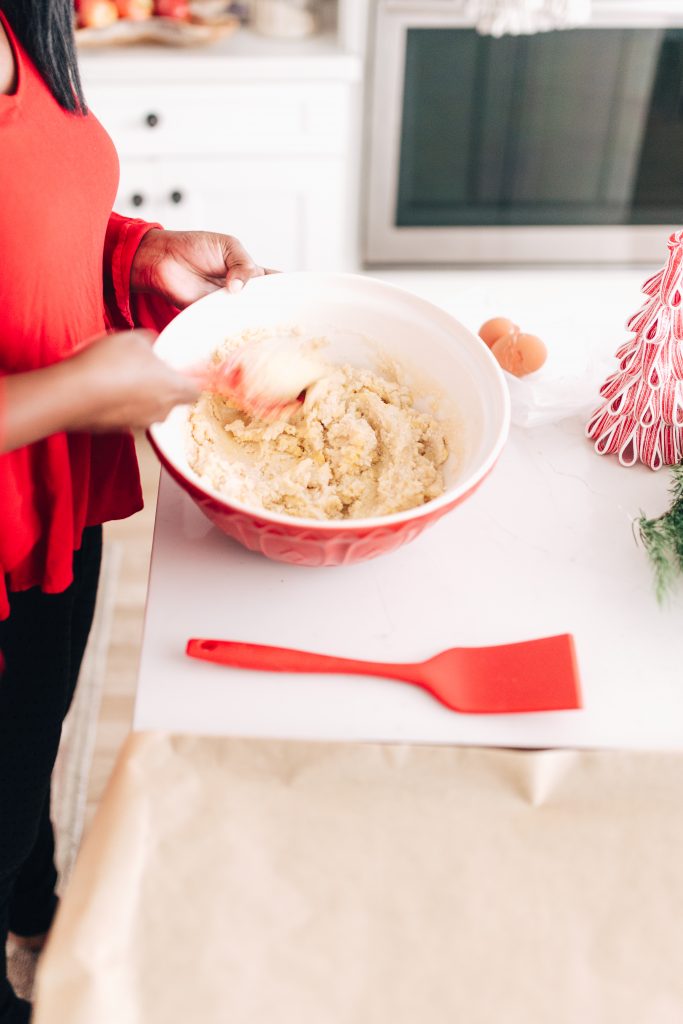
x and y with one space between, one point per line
183 266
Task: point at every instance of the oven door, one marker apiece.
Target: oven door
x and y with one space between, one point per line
557 147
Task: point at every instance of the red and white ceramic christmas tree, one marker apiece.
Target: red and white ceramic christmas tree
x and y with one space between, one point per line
641 418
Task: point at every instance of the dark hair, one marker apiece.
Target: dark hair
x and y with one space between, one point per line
45 29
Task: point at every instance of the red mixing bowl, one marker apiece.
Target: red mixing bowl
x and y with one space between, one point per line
359 316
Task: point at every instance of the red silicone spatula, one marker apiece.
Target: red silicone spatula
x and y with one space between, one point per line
536 675
266 378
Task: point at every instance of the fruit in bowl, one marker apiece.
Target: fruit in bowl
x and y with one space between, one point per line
135 10
179 9
366 325
96 13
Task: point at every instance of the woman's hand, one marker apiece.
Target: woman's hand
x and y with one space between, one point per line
129 386
116 383
183 266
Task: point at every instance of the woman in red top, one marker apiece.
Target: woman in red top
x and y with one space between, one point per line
70 271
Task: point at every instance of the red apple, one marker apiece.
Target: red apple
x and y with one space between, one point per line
135 10
97 13
179 9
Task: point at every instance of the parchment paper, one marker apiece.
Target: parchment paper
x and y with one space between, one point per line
245 882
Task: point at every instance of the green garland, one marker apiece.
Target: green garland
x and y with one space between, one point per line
662 538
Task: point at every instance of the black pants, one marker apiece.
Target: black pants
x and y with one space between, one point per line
43 641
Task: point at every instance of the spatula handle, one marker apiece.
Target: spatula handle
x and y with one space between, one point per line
283 659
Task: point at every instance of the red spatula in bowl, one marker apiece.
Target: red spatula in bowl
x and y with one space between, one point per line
266 379
536 675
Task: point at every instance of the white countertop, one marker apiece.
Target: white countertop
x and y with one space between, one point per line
545 546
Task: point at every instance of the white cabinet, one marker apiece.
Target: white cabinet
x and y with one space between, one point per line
289 213
263 147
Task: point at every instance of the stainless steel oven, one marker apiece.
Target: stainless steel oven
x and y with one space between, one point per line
563 146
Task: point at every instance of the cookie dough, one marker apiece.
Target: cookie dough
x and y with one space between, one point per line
356 447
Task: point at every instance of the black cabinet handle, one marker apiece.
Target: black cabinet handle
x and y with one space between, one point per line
152 119
176 197
137 199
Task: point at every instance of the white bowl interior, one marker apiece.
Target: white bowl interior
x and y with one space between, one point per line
361 318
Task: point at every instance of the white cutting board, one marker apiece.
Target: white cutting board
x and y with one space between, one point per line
545 546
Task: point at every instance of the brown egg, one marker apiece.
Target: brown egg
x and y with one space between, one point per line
494 329
520 354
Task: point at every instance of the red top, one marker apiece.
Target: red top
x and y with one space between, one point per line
58 179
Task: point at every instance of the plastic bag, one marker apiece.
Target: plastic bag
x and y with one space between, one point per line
568 385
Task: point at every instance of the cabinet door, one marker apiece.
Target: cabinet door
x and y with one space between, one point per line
149 119
290 214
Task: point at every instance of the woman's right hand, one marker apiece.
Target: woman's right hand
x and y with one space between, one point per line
126 384
115 383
